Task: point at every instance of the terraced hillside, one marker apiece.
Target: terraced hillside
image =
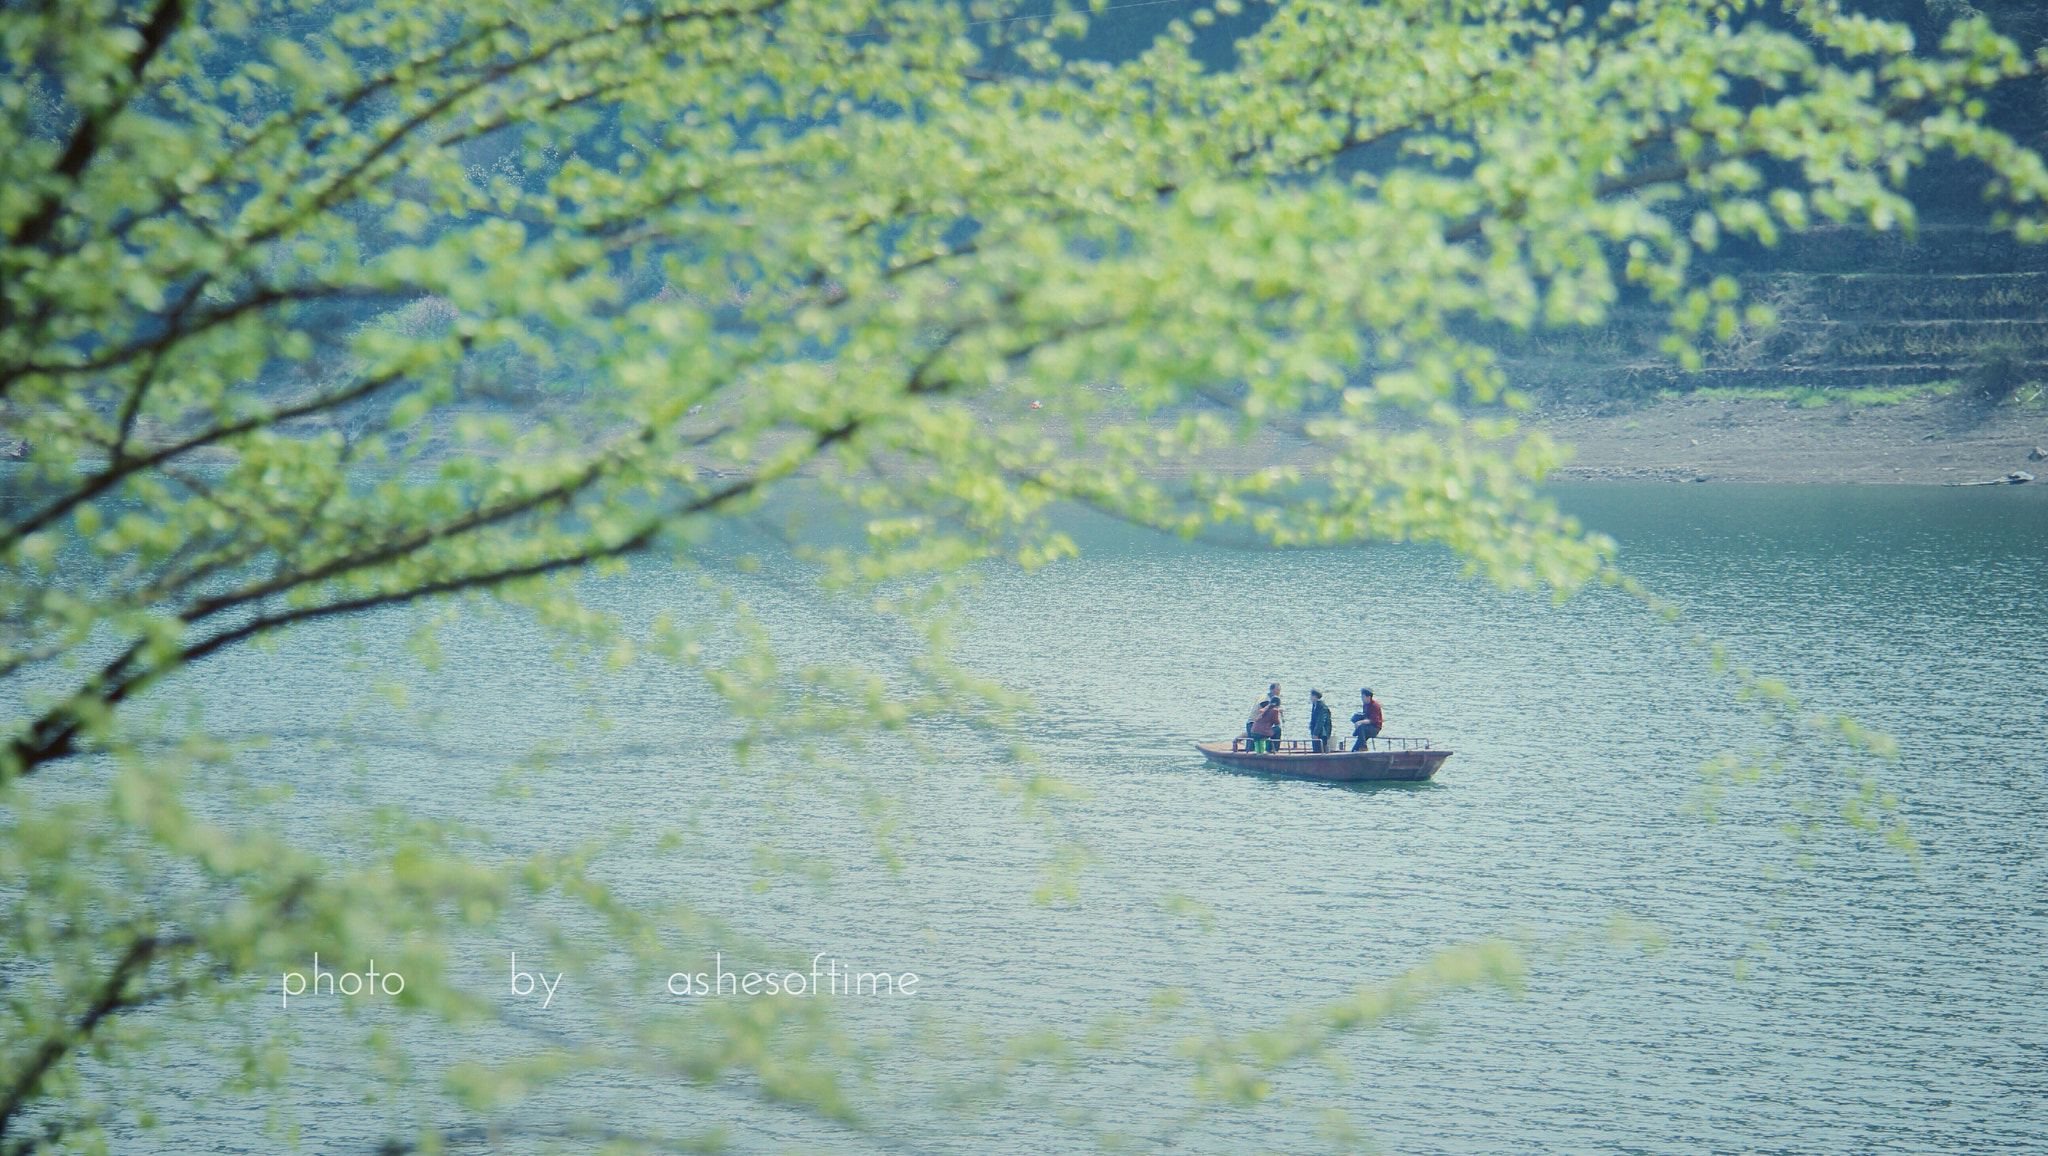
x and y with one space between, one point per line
1960 306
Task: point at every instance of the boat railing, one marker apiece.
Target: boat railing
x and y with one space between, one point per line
1242 745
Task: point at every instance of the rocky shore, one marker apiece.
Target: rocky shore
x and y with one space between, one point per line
1929 441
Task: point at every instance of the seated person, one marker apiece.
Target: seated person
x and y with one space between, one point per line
1369 719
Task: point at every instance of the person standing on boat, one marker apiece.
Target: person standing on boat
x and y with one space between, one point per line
1266 731
1369 719
1318 722
1252 722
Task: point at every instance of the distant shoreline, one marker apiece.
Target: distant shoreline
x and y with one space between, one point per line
1705 437
1924 441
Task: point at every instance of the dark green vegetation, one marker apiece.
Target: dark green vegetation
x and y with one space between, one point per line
1949 307
1960 310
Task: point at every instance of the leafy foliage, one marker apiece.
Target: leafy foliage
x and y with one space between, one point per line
307 310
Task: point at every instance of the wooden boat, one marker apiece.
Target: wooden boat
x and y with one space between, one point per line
1386 760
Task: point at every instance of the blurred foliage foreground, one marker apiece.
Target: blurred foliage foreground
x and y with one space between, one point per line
307 310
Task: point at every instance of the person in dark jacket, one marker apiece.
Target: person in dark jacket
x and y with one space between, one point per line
1318 722
1369 719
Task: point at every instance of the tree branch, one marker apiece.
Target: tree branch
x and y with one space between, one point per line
54 736
85 141
337 186
175 333
121 468
113 996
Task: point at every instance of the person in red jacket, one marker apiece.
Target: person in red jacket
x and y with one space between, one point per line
1369 719
1266 731
1256 725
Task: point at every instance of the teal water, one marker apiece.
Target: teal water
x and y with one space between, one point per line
1856 1003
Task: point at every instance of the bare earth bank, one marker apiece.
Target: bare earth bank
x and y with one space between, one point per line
1924 442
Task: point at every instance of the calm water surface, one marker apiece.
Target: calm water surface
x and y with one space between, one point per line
1856 1004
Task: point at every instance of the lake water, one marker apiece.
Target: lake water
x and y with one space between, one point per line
1852 1002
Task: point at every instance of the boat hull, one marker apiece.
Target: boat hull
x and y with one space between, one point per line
1414 766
